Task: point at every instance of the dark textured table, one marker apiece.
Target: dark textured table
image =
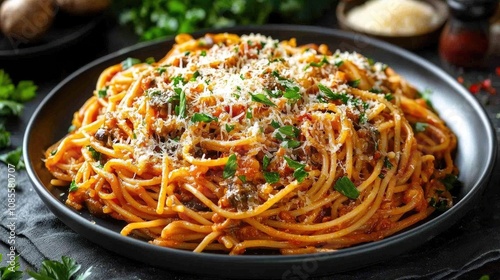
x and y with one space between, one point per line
467 250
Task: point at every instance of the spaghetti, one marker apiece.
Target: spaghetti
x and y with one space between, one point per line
233 143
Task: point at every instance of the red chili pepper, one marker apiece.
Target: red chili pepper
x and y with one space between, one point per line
497 70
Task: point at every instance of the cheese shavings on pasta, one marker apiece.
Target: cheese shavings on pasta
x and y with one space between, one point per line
232 143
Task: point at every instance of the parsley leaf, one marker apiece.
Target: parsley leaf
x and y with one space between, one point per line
425 95
243 178
14 157
230 167
56 270
102 93
11 272
182 105
289 130
294 164
272 177
265 162
292 95
451 181
261 98
4 137
229 127
275 124
345 186
95 154
249 113
292 144
387 163
73 187
202 117
9 107
129 62
300 174
420 127
354 83
332 95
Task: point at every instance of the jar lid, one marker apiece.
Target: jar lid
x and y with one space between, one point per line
472 9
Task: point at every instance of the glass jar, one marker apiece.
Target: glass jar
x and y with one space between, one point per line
464 41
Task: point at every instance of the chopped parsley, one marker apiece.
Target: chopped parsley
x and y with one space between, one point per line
150 60
388 96
345 186
265 162
95 154
275 124
73 187
300 174
425 95
202 117
387 163
243 178
203 53
161 70
261 98
318 64
229 127
102 93
249 113
196 74
230 167
292 144
129 62
181 108
441 205
332 95
420 126
451 181
272 177
289 130
354 83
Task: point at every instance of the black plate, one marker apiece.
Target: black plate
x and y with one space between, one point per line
475 158
65 31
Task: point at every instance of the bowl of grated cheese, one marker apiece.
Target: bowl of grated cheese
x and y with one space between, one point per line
411 24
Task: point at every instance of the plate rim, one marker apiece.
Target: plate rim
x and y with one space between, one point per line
456 212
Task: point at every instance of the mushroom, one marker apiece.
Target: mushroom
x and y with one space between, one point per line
82 7
26 20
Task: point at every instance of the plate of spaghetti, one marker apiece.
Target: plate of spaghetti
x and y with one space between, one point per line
259 148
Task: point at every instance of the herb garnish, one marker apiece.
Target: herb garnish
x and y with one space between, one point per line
261 98
271 177
300 174
229 127
420 126
202 117
345 186
129 62
230 167
73 187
